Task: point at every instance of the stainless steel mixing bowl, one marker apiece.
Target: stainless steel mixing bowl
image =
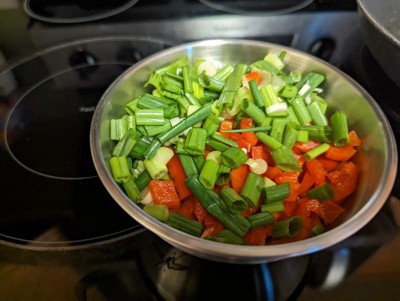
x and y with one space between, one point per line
377 159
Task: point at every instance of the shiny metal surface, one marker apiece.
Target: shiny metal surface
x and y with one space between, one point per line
377 159
380 27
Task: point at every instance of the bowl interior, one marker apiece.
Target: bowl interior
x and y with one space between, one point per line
377 160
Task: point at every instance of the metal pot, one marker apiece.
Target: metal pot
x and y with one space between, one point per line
380 27
377 159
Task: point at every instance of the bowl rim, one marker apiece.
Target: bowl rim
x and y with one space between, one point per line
246 253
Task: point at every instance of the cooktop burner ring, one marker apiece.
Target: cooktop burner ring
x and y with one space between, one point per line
39 13
15 126
261 7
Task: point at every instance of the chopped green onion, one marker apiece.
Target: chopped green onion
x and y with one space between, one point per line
118 128
290 135
195 141
254 129
211 124
285 159
120 169
224 72
287 228
235 203
148 101
317 229
233 157
212 203
188 165
273 207
311 81
251 190
278 128
289 92
209 173
228 237
303 136
300 110
317 151
272 143
217 137
186 123
232 84
198 162
155 169
184 224
153 130
131 190
125 145
143 179
317 132
322 193
139 149
253 111
269 95
317 116
152 148
277 192
187 79
219 146
256 94
160 212
340 131
260 219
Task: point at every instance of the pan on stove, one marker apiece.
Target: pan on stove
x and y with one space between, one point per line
380 26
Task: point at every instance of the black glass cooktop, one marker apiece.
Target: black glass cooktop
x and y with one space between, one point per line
50 188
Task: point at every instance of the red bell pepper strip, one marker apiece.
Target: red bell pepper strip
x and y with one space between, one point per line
305 147
258 236
238 177
178 175
187 208
317 171
253 75
164 193
199 211
343 180
343 153
257 152
246 123
332 212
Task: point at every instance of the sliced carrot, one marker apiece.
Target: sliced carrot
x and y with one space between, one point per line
238 177
343 180
258 236
178 175
343 153
332 211
164 192
317 171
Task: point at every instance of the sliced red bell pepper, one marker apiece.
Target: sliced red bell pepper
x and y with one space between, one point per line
305 147
353 139
343 153
343 180
199 211
253 75
306 183
328 164
258 236
273 172
212 226
164 193
187 208
332 212
246 123
238 177
317 171
257 152
245 145
178 175
226 125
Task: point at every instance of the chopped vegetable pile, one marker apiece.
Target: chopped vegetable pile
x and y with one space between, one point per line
239 154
